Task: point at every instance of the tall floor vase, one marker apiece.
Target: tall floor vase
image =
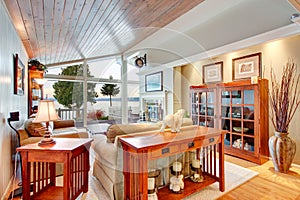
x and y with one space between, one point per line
282 149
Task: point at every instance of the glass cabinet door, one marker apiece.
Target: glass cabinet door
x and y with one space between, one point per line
248 120
237 117
203 108
226 116
195 107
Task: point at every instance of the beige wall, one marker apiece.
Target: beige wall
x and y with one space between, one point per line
10 44
274 54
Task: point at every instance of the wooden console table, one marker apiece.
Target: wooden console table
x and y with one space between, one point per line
72 152
139 149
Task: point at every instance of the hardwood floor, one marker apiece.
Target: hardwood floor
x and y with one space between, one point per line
268 185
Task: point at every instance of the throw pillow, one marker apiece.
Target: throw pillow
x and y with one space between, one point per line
63 124
34 129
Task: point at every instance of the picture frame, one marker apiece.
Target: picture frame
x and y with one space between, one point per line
212 73
153 82
19 72
246 67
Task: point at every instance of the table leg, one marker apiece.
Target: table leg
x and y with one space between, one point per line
221 165
143 163
135 172
67 176
127 175
86 171
25 176
52 173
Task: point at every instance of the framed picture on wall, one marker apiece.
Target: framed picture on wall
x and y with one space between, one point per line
246 67
153 82
212 73
18 76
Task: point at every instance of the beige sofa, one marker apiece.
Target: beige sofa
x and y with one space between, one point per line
108 164
61 128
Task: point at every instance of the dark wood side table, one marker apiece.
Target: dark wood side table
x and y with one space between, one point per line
72 152
139 149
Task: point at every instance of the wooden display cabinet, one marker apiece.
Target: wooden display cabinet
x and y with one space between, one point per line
241 108
34 91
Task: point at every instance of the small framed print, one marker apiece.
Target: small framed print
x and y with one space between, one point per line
246 67
153 82
212 73
18 76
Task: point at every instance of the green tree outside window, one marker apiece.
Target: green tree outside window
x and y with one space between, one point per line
110 90
70 94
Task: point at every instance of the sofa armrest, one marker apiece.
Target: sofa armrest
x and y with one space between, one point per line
23 135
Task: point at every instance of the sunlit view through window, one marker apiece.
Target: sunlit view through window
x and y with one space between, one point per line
102 74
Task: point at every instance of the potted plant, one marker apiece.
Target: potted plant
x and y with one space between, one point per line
36 65
285 99
97 115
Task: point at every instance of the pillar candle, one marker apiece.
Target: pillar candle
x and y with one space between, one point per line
177 166
196 163
151 183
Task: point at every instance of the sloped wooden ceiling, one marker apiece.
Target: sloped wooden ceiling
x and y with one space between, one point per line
295 3
55 31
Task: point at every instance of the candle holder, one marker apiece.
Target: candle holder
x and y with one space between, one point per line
152 186
196 175
176 181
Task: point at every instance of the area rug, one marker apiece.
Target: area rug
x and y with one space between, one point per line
234 176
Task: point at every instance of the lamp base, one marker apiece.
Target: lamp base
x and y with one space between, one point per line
46 141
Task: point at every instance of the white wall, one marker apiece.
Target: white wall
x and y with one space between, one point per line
10 44
274 54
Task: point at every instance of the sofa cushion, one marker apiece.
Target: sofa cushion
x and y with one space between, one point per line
65 130
34 129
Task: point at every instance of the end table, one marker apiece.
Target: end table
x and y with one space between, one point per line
72 152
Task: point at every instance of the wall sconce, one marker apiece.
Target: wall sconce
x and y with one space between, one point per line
295 18
141 61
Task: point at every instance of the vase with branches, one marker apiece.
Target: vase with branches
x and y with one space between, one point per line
285 99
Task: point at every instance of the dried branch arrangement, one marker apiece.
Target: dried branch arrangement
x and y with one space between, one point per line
284 97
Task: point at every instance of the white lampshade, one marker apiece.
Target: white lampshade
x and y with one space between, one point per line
46 112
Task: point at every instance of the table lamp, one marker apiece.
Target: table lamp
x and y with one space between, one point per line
46 113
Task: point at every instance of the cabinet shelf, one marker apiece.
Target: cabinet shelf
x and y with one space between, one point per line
239 108
34 91
189 188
